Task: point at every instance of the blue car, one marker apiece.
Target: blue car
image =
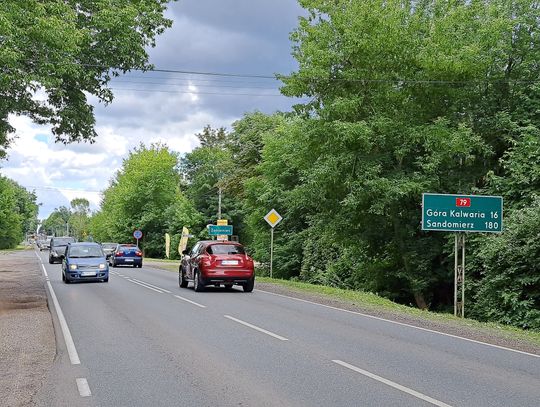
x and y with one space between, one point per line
84 262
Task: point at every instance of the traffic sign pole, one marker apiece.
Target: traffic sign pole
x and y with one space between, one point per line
271 250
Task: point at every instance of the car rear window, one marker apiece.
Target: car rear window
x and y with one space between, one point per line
225 249
63 241
128 249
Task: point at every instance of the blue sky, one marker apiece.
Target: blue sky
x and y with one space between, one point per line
232 36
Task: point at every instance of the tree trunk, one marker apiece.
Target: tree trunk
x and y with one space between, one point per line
420 301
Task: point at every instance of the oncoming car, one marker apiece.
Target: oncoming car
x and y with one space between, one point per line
84 262
108 248
126 254
213 262
57 248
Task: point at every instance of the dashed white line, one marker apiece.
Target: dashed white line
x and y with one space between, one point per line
84 389
402 324
151 285
191 302
281 338
392 384
144 285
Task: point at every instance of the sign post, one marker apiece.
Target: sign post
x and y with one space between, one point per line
460 214
272 218
137 235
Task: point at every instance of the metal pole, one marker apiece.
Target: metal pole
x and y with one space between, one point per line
271 249
463 276
455 272
219 204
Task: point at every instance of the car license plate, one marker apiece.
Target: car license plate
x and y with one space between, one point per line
129 260
229 262
88 274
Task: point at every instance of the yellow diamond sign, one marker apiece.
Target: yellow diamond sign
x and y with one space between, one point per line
273 218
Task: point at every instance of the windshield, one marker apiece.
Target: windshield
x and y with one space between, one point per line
63 241
225 249
85 251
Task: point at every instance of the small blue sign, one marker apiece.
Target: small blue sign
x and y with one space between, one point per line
137 234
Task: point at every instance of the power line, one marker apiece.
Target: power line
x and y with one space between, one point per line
194 84
59 189
195 93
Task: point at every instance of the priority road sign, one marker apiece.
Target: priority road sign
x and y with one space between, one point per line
273 218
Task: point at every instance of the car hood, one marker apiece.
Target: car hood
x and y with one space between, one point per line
87 261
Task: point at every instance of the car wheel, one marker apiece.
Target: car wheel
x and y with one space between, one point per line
106 280
140 266
63 277
182 282
66 280
113 264
50 260
135 265
228 286
248 287
198 283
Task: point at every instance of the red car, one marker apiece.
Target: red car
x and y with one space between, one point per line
213 262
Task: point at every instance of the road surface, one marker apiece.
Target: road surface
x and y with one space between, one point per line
140 340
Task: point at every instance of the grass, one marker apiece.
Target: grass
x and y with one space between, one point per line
375 302
19 247
163 264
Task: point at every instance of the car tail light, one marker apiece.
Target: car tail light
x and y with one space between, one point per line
206 260
138 253
249 260
119 254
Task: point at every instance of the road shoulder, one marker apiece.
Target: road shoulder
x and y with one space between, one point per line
27 348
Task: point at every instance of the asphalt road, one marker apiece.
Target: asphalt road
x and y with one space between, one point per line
143 341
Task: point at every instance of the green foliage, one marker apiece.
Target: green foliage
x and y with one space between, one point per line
57 222
144 195
510 287
18 213
69 49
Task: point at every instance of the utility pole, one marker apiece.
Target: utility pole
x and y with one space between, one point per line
219 203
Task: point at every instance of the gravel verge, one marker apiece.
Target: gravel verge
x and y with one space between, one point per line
27 345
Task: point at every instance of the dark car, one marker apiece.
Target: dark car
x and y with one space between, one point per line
84 261
213 262
126 254
57 248
108 248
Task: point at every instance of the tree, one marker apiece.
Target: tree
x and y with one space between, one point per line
57 222
405 97
18 213
144 194
68 50
78 220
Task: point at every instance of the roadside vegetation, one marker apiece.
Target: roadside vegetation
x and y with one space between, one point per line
400 98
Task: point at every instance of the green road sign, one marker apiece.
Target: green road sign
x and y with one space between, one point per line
217 230
462 213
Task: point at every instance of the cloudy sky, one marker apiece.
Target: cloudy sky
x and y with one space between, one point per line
248 37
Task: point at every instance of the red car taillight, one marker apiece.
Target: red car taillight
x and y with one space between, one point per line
139 254
206 261
119 254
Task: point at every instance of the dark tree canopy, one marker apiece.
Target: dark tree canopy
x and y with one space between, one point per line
67 50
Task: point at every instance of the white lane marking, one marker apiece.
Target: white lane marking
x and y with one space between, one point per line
84 389
151 285
191 302
281 338
68 339
144 285
403 324
393 384
70 345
